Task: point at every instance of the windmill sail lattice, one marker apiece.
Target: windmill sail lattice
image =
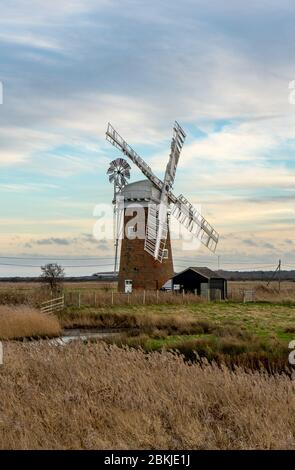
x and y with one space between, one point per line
162 220
156 232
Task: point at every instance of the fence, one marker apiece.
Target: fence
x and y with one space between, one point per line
143 297
53 305
249 296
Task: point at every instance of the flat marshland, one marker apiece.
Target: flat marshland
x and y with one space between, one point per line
251 334
178 375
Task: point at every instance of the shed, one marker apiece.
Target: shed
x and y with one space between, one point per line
201 281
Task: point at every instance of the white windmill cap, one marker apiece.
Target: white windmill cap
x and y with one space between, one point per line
143 190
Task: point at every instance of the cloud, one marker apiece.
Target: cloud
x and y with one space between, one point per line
83 241
71 67
13 187
269 245
250 242
52 241
30 40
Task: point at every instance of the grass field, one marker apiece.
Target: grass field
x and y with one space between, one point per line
34 292
248 334
232 332
98 397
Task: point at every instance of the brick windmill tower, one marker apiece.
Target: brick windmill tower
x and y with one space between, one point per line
142 212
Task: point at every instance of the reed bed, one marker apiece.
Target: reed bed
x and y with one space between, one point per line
94 396
26 322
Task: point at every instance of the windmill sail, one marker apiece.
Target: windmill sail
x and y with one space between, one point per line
193 221
162 213
152 231
176 146
115 139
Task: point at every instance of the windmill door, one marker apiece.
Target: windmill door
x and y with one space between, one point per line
128 286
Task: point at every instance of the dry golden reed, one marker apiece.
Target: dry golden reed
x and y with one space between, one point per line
94 396
24 321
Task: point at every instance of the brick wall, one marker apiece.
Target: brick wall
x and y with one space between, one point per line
139 266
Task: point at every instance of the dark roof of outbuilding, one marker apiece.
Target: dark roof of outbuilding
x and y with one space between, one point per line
203 271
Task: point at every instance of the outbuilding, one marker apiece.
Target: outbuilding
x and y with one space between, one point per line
201 281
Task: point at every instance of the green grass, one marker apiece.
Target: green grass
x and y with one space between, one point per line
171 341
261 319
235 333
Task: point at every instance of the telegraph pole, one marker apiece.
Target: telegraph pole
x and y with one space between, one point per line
277 271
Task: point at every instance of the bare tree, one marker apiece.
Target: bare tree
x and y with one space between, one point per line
53 276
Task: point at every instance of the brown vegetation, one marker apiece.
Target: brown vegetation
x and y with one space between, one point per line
23 322
90 396
263 292
99 294
221 347
144 318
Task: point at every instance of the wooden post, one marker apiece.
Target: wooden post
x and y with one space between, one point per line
144 297
183 295
79 301
112 297
1 353
157 296
94 299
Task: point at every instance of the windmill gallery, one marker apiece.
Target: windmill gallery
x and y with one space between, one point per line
146 260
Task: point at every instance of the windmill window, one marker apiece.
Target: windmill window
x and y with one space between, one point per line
165 253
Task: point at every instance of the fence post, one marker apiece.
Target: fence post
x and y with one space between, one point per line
183 295
79 300
1 353
157 296
112 297
94 299
144 297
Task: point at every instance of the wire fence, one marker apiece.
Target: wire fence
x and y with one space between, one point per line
142 297
82 297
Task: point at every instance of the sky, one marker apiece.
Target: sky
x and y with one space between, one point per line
223 70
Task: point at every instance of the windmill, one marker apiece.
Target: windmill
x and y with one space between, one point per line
147 263
119 173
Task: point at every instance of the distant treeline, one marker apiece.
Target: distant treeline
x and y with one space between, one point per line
229 275
97 277
256 275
